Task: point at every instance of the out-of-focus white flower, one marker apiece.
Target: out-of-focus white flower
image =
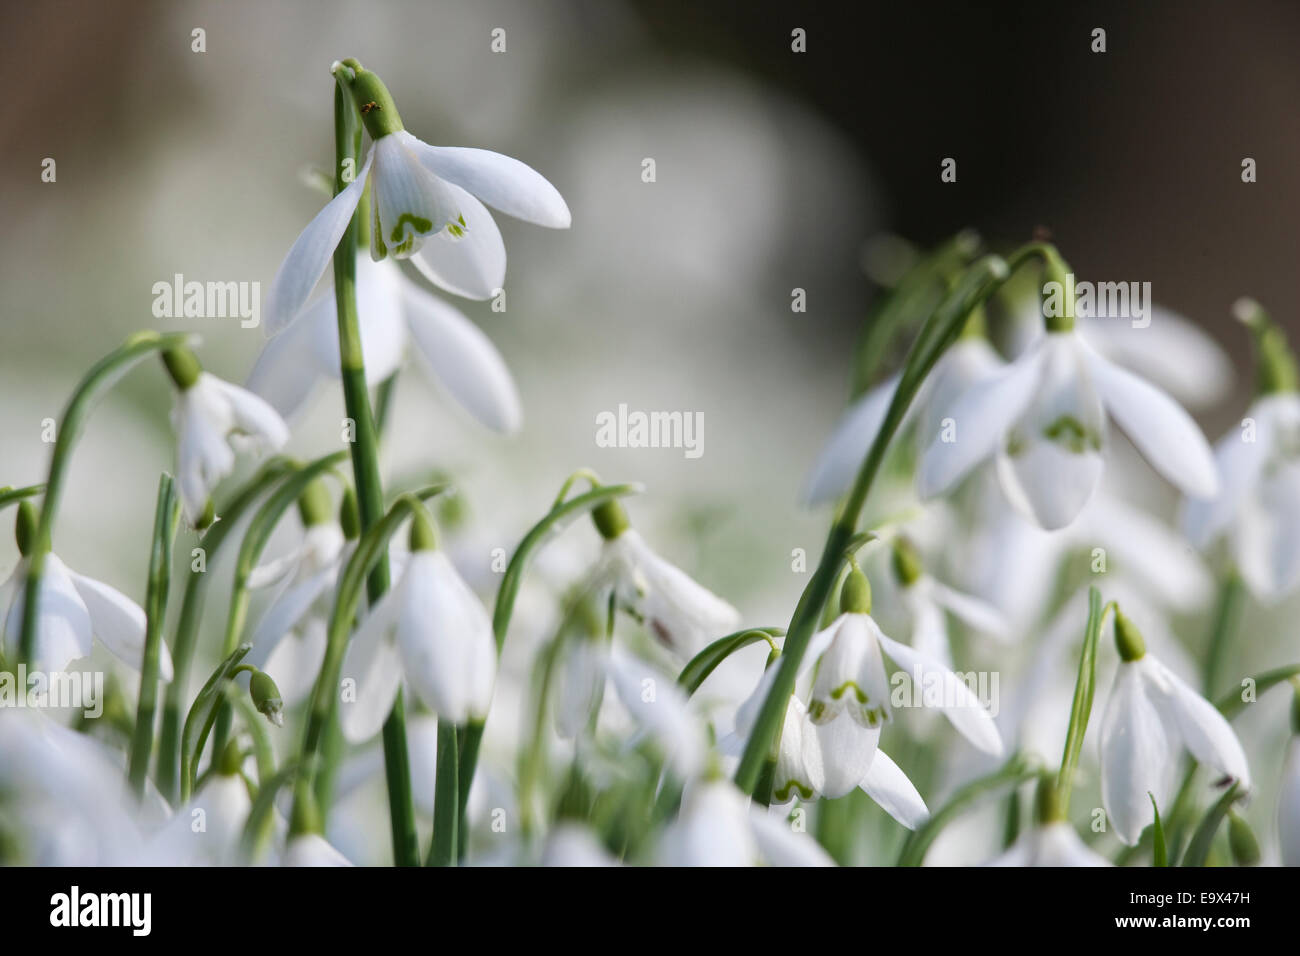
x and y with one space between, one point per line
395 314
432 629
682 615
969 360
1044 418
423 206
289 639
1258 510
717 827
207 830
1052 844
211 417
800 772
581 686
571 844
850 696
72 610
661 709
1151 714
312 849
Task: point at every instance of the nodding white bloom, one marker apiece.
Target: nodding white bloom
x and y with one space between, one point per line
1051 841
682 615
661 709
850 696
571 844
289 639
423 206
1044 419
72 611
927 601
1152 713
222 805
312 849
212 418
397 317
1288 797
800 770
1258 510
717 827
581 686
432 629
969 360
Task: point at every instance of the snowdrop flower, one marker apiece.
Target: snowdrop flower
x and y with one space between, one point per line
207 830
800 772
1151 712
1044 419
307 845
850 700
73 609
432 629
926 601
210 417
717 827
397 318
661 709
681 614
1258 510
1288 798
1051 841
424 207
968 361
289 640
571 844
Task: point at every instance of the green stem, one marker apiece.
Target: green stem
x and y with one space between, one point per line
1227 615
365 465
1081 708
11 496
166 517
445 806
561 513
187 626
941 329
102 376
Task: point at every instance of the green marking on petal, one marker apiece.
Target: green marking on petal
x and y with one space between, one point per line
791 787
1071 433
401 237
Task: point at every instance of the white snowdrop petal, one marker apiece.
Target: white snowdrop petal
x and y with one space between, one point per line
502 182
779 845
374 663
64 632
1136 755
119 623
312 849
284 375
840 458
847 750
1205 731
253 416
888 786
411 204
1288 805
463 360
472 263
311 254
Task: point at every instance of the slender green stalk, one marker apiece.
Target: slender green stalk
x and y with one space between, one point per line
1081 708
11 496
561 513
365 462
1227 615
941 329
166 517
187 626
99 379
699 667
446 809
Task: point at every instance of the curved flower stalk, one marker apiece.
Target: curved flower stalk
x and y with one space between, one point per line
718 827
426 206
800 771
681 614
397 318
212 418
1258 510
432 630
1051 841
968 361
850 700
73 610
1044 419
1152 714
289 639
